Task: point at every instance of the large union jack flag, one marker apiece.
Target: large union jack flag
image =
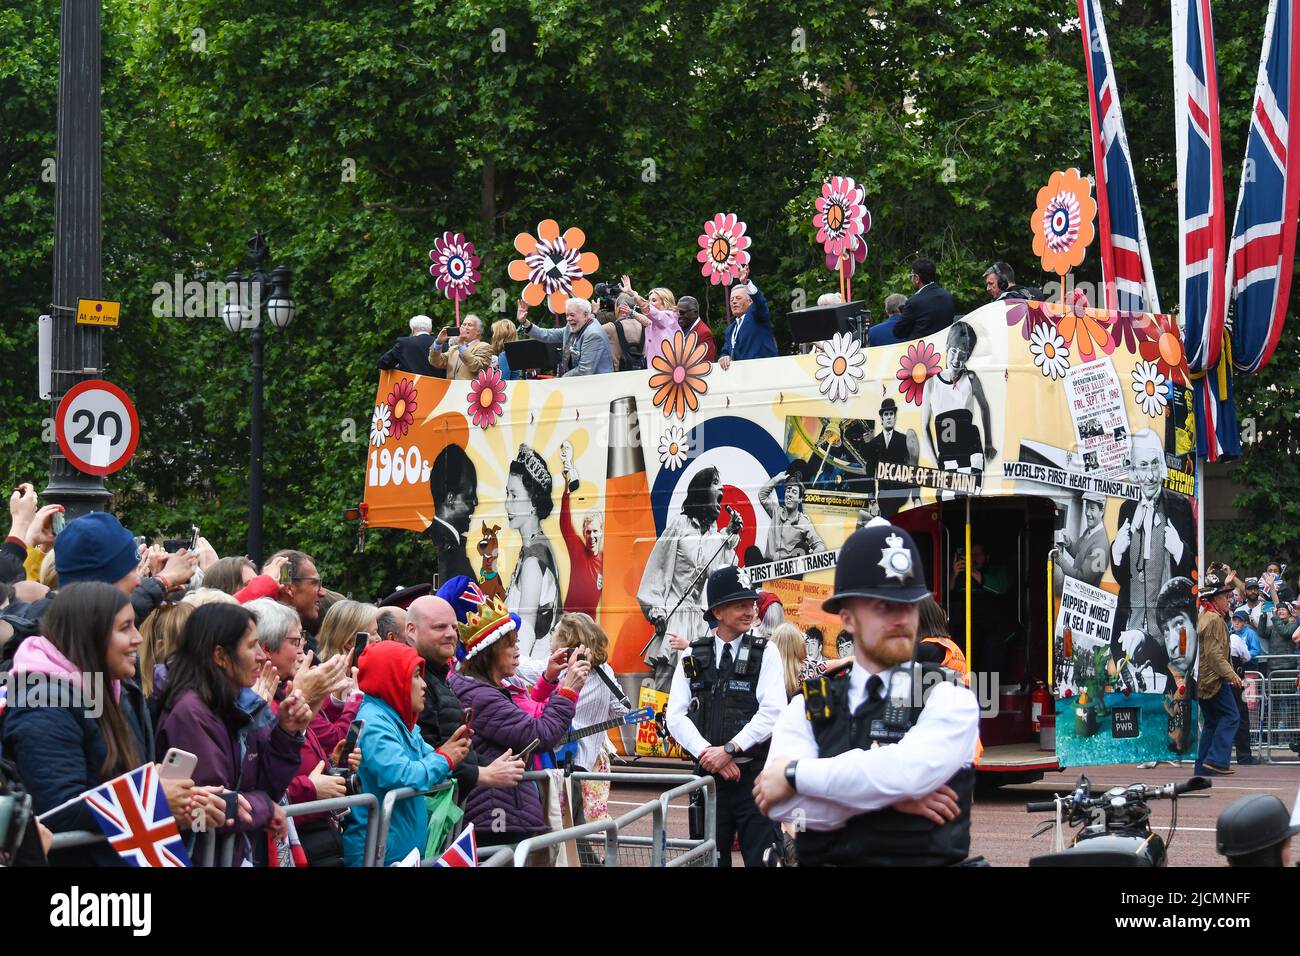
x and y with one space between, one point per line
1125 258
1201 242
1218 436
132 810
1260 258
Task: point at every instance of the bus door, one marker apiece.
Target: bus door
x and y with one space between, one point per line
1010 540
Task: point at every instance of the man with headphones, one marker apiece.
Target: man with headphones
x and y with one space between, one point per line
1000 283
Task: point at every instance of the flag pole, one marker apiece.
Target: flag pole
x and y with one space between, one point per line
62 806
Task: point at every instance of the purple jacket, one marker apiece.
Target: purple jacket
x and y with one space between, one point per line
500 724
269 755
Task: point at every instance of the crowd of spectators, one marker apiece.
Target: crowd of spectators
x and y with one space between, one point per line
143 656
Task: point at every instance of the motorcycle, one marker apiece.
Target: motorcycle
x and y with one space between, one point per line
1114 829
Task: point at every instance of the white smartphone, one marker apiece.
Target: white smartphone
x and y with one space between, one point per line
178 765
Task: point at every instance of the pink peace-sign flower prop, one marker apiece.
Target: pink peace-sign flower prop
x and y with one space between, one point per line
859 254
840 216
455 266
722 248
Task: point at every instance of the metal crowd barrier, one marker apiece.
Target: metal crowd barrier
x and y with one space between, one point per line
386 817
1282 706
1273 704
623 849
497 856
619 847
205 847
228 841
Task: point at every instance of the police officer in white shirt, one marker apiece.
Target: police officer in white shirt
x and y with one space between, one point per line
869 770
727 692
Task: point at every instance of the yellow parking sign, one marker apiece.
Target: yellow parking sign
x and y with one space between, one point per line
98 312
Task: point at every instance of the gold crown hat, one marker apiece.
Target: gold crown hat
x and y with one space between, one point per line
484 627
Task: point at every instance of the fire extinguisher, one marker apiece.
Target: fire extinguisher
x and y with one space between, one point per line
1040 702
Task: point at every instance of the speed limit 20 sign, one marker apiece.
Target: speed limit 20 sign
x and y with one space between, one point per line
96 427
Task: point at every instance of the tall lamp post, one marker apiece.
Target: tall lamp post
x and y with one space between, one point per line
76 349
245 294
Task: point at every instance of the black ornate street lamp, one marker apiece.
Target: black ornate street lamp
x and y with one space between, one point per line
243 310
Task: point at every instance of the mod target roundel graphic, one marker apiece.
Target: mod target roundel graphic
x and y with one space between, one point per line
746 457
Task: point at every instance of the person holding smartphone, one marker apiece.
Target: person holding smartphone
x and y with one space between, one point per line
91 723
507 816
468 357
391 675
218 658
279 632
431 628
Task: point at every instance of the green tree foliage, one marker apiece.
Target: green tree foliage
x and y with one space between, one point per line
354 132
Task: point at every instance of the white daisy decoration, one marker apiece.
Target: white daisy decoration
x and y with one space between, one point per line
1150 388
381 424
672 448
840 366
1051 354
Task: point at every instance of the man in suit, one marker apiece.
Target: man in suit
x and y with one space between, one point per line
1153 545
750 335
453 485
584 349
931 307
410 353
468 357
891 447
885 331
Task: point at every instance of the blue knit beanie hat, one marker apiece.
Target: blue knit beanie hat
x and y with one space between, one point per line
94 547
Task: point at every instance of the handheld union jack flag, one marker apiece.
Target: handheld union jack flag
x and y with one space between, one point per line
1125 258
462 853
133 813
1261 255
1201 243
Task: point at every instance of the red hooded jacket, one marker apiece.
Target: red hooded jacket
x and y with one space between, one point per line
385 670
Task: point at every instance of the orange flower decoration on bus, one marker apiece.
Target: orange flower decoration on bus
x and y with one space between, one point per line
919 363
1165 348
401 407
679 372
1088 330
553 265
1063 221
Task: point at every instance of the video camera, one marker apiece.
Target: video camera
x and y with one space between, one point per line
606 295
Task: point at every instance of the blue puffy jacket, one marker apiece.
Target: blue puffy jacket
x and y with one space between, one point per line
392 756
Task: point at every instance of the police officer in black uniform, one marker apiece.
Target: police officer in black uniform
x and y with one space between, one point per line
727 692
873 764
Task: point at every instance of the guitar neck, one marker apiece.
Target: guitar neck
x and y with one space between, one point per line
604 725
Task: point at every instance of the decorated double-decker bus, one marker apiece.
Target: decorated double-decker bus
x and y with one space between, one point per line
1042 456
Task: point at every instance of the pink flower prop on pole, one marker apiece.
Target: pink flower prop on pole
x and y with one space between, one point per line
842 222
840 214
722 248
455 267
